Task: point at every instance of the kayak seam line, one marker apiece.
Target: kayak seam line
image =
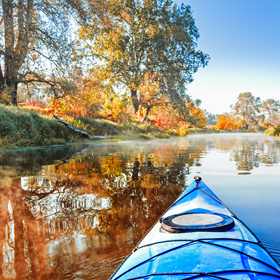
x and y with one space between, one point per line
236 271
188 243
248 229
210 239
260 243
211 274
242 253
182 197
178 273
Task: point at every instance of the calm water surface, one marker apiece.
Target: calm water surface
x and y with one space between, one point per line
75 212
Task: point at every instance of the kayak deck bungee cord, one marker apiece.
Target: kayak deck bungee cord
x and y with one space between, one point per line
199 237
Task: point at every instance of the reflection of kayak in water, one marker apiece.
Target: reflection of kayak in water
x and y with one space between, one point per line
199 237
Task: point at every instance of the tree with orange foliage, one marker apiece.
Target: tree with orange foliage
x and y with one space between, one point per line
194 115
226 122
165 117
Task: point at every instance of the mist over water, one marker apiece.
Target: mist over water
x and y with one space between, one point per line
76 212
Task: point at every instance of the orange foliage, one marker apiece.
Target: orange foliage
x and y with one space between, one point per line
228 123
165 117
149 91
169 119
197 115
84 102
114 106
34 105
266 124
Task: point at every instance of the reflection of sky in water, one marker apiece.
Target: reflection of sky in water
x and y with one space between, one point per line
98 205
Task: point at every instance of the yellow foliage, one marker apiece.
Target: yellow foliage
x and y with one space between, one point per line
199 117
114 106
266 124
6 94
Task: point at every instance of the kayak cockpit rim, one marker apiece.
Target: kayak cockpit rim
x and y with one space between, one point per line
197 221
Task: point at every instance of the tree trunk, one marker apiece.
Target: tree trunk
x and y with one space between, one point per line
134 100
9 81
17 31
147 113
14 94
246 125
1 78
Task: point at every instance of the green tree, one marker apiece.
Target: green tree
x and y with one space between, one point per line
146 37
271 108
248 107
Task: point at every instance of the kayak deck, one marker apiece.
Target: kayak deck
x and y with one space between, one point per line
222 247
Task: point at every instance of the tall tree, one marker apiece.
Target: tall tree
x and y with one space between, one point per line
271 108
36 41
248 107
146 37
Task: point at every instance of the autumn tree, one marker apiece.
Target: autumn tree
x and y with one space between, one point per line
248 107
149 36
36 42
271 108
227 122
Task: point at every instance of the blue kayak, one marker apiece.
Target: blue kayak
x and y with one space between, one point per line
198 237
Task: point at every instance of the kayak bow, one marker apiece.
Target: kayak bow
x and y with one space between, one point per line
198 237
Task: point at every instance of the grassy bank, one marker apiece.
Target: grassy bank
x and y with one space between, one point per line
21 127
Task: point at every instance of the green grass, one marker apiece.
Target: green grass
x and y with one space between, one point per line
24 128
128 130
95 126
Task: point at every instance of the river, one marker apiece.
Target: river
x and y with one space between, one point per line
75 212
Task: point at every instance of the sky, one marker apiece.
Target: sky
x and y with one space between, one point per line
242 38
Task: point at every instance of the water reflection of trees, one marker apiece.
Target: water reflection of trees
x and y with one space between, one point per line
251 154
72 217
248 152
30 161
246 157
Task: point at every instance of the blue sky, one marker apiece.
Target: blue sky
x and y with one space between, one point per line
242 38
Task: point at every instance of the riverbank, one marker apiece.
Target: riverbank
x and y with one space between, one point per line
21 127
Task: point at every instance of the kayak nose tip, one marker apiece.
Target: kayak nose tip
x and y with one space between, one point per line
197 179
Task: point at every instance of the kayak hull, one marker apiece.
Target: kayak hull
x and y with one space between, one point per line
220 247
